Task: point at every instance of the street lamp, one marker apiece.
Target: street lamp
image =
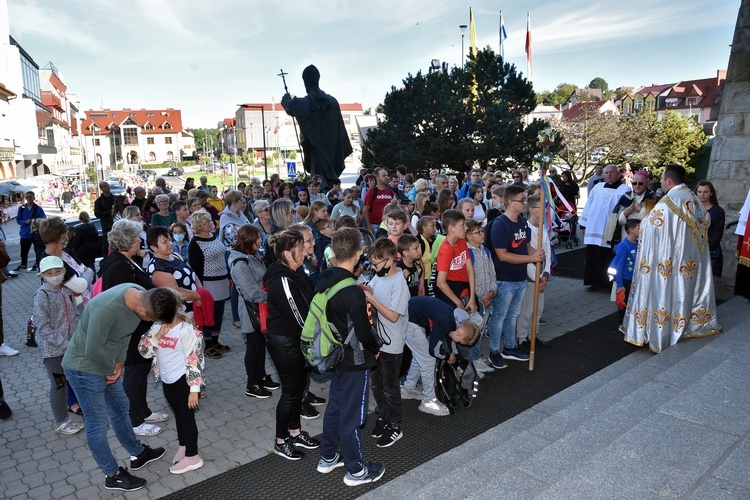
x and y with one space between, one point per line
263 124
463 31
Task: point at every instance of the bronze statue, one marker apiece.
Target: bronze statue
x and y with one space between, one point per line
325 141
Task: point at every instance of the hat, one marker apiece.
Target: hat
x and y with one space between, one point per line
50 262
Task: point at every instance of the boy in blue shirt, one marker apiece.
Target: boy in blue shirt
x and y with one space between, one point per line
623 264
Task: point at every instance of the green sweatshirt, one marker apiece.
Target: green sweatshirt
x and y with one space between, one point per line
103 333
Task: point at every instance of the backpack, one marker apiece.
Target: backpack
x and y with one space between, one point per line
454 388
322 346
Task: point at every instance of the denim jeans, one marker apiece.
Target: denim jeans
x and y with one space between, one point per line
475 352
101 402
506 306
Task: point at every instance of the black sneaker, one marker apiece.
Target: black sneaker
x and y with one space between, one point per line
287 450
380 424
5 411
19 268
371 473
308 412
390 436
124 480
314 400
147 456
269 384
257 391
304 440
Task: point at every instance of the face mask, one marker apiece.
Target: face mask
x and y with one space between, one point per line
383 271
55 280
179 237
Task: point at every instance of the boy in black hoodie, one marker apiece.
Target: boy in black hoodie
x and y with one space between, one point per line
347 404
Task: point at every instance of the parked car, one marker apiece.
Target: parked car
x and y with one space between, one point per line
175 171
115 188
98 225
146 172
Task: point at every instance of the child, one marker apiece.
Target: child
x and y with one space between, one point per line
181 239
411 263
56 318
624 262
347 408
430 243
389 294
455 272
177 349
523 324
325 229
484 280
396 220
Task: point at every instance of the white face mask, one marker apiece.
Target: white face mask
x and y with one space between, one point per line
54 280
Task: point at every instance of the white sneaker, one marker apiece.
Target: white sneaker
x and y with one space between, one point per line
482 367
69 427
410 394
434 407
6 350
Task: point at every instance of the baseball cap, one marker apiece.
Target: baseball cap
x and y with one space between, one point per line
50 262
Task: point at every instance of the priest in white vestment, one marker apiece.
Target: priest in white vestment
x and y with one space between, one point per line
672 295
599 225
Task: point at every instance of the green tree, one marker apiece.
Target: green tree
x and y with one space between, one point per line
442 118
558 96
205 137
224 158
601 84
679 139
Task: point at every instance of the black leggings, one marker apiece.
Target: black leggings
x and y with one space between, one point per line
187 430
255 358
287 356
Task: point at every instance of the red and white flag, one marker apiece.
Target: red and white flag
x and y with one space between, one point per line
529 60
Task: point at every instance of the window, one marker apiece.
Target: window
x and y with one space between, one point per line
627 107
170 156
44 126
130 136
149 140
672 102
167 126
347 119
96 142
30 74
167 140
638 105
149 114
148 126
152 156
650 105
692 101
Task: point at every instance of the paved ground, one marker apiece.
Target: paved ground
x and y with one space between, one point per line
234 429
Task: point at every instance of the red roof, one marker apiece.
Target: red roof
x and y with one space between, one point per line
705 88
654 90
589 106
156 117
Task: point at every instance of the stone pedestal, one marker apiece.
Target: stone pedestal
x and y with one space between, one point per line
729 170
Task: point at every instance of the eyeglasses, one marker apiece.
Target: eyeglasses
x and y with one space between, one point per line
331 225
476 232
639 183
516 176
524 201
162 202
267 209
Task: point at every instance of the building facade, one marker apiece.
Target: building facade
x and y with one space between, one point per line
130 138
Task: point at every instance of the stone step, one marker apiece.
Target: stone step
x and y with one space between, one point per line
546 450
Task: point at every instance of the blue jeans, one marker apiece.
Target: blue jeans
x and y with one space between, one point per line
99 403
475 352
506 306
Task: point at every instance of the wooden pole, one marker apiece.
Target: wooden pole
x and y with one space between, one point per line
540 239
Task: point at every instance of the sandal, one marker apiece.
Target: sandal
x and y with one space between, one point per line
156 417
147 430
77 411
212 353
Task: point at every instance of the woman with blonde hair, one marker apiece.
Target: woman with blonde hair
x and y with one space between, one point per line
206 256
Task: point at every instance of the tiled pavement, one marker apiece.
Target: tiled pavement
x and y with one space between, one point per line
234 429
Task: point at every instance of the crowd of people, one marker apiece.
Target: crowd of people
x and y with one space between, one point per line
416 272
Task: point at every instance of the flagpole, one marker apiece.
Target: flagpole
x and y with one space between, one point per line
538 265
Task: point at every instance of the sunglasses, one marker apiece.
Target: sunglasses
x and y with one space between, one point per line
639 183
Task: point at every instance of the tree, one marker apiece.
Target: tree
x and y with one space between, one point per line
679 139
205 137
558 96
601 84
447 116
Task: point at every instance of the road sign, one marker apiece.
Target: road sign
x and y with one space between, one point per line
291 169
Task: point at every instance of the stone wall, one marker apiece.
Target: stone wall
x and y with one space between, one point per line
729 169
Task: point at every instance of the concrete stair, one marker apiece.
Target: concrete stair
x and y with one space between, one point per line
669 425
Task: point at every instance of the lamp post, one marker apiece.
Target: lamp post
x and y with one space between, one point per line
263 125
463 31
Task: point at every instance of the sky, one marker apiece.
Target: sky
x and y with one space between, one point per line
204 58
